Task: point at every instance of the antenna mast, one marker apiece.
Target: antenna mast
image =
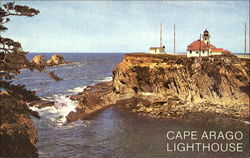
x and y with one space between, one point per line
174 39
161 36
245 43
200 47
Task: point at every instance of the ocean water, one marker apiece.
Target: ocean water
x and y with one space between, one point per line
114 132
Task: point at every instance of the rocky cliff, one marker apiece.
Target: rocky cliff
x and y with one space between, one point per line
217 79
17 130
174 86
19 139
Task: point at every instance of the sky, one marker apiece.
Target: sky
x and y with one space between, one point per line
128 26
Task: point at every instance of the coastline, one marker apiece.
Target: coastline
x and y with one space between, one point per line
152 100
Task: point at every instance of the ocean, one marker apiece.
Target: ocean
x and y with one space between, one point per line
114 132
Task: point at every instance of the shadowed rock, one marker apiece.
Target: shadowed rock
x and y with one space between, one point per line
42 103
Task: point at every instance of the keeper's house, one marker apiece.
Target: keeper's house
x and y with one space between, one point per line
203 47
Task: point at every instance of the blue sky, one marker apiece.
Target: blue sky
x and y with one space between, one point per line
128 26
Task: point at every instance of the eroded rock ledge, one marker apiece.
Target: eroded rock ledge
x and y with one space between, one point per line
172 86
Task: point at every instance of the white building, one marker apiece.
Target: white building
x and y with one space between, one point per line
200 48
157 50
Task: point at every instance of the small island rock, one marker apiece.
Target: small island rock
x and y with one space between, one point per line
57 59
39 59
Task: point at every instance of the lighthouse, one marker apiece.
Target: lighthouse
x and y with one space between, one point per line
200 48
206 37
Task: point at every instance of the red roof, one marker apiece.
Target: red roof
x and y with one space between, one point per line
220 50
226 51
200 45
217 50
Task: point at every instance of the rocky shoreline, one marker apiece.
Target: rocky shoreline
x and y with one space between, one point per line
172 87
17 130
19 139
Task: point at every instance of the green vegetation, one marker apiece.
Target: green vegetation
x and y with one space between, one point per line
14 97
18 135
12 60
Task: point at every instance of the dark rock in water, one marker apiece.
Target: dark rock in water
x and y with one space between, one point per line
94 98
42 103
173 86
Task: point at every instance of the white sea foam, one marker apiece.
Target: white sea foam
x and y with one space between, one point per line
29 78
63 106
70 67
106 79
76 89
57 113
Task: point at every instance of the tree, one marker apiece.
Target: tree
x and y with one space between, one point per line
14 98
15 130
13 59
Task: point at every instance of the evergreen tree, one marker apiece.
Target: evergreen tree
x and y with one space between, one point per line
12 60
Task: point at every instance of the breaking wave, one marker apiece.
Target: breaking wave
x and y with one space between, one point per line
106 79
76 89
56 114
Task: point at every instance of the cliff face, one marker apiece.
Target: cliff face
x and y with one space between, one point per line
19 139
173 86
217 79
17 131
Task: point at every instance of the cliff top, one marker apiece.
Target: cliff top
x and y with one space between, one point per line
160 56
182 59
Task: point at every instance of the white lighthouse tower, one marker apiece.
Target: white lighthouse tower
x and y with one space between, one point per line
206 37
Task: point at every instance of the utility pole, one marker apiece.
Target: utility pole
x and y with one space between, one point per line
161 35
200 46
245 43
174 39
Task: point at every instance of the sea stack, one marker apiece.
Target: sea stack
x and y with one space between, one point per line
39 60
55 59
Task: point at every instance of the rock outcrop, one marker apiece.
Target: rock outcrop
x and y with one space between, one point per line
41 103
174 86
17 130
56 59
39 60
92 99
217 79
19 139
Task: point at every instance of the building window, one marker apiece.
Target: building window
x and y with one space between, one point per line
197 52
190 52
